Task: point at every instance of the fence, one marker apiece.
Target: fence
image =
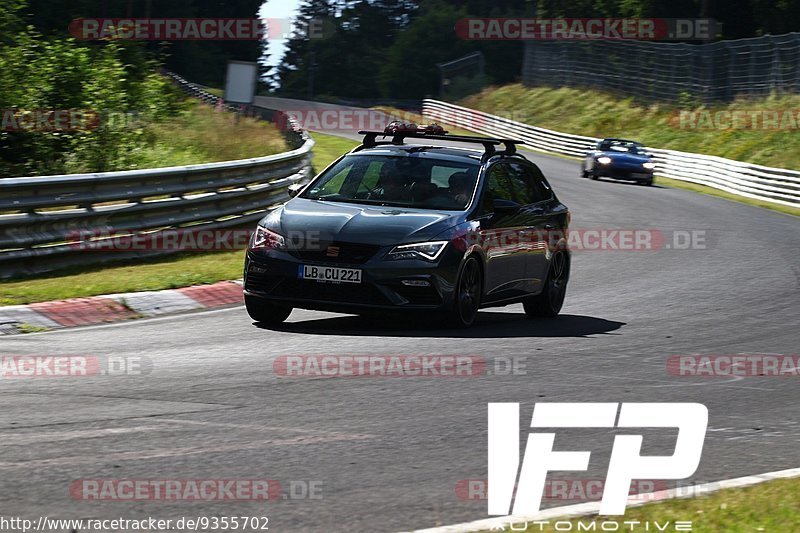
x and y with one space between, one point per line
41 216
668 71
752 181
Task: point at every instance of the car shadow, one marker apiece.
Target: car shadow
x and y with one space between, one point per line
487 325
633 183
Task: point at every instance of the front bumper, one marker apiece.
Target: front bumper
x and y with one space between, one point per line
273 275
626 174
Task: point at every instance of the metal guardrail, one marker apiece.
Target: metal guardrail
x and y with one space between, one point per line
769 184
41 216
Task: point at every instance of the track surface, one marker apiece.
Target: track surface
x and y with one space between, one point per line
389 452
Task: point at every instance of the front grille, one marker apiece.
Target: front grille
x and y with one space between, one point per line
356 293
339 253
260 282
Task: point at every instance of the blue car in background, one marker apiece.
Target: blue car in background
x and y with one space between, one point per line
619 159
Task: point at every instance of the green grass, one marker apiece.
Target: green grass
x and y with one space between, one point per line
201 134
329 148
175 272
153 274
771 507
599 114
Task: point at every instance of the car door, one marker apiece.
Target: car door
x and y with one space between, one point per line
499 234
533 193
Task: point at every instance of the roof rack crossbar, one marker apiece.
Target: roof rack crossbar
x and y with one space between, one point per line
489 143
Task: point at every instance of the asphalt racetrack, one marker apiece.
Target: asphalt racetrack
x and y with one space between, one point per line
386 454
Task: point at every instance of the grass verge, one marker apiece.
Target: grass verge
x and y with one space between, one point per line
771 507
598 114
202 134
149 275
689 186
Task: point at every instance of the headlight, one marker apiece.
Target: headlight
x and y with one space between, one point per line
604 160
428 251
649 166
264 238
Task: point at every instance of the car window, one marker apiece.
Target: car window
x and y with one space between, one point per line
338 176
371 176
440 175
498 185
402 181
530 185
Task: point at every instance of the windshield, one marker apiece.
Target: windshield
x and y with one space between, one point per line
621 146
402 181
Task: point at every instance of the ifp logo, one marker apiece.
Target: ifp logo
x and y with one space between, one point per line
626 463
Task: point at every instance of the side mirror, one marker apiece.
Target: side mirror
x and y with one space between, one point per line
505 207
294 189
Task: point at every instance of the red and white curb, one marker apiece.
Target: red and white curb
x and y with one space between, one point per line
117 307
501 523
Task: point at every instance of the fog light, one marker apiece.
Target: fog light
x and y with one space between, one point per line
415 283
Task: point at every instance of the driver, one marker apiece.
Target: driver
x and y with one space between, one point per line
460 187
392 185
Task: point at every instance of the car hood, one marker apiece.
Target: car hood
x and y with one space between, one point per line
345 222
622 157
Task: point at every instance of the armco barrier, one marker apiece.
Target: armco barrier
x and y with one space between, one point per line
40 216
775 185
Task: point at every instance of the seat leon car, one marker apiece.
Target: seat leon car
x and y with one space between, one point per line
428 227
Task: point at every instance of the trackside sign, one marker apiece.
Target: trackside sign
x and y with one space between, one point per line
625 466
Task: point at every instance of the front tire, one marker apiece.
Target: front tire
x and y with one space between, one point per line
467 297
265 312
548 303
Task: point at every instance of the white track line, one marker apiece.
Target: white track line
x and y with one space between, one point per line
592 508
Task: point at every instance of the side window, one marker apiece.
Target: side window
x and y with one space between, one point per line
529 184
498 185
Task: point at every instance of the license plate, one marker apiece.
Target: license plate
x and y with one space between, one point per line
640 175
329 274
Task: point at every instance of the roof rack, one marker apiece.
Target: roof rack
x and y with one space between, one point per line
399 135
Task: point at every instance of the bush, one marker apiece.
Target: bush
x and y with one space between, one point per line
116 81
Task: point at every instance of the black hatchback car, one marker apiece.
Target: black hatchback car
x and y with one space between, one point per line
397 226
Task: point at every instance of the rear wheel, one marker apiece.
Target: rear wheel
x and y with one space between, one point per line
467 298
548 303
266 312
